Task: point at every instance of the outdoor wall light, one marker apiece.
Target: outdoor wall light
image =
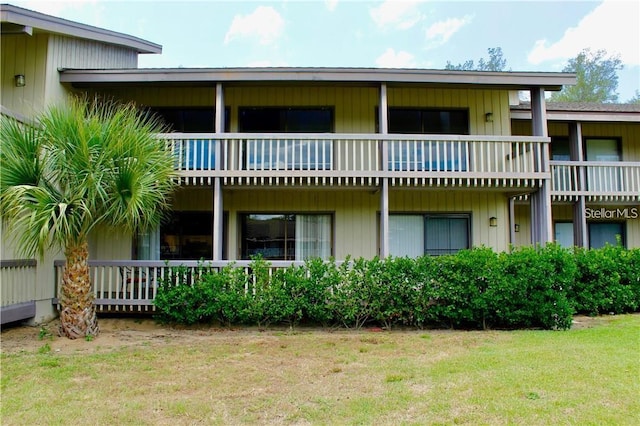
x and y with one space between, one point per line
516 227
20 80
493 221
488 117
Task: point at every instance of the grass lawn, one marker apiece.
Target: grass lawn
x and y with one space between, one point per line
138 373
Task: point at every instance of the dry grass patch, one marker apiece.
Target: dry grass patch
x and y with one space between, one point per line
137 372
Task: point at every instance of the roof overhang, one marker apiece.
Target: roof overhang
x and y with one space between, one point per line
506 80
18 20
582 116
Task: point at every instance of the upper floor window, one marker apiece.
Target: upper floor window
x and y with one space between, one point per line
285 119
190 119
560 148
602 149
428 121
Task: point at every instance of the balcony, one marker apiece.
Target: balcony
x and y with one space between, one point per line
17 289
360 159
599 181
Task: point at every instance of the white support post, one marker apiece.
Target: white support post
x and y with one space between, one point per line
384 194
512 221
543 202
580 235
218 209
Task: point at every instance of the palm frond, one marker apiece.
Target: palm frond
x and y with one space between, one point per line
88 163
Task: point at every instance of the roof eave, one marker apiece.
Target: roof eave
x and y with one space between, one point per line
512 80
583 116
30 19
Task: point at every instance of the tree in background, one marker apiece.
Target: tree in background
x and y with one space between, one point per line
635 99
596 75
79 166
496 62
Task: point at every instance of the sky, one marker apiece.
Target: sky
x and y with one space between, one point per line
533 35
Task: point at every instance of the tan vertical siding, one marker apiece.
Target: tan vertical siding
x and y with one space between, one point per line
479 102
23 54
481 205
629 133
67 52
354 107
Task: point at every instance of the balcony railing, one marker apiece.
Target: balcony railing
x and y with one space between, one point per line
359 159
598 181
132 285
17 289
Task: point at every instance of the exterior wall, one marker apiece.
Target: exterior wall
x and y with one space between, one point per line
628 132
162 96
355 212
481 204
109 244
67 52
39 57
354 106
27 55
355 220
479 103
564 212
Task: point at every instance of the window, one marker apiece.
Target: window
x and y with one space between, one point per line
191 119
286 236
602 233
287 154
428 121
285 119
560 149
564 234
187 235
600 149
603 178
196 154
433 234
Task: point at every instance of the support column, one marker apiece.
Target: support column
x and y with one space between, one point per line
384 194
512 221
218 209
580 234
543 203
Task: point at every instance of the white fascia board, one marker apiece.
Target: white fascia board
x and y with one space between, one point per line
511 80
52 24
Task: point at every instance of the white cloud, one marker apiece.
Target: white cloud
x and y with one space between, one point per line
440 32
612 26
331 4
391 59
264 23
397 14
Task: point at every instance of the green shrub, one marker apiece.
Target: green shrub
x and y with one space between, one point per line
608 280
536 284
529 287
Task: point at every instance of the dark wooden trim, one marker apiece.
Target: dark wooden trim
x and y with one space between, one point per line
115 302
17 263
17 312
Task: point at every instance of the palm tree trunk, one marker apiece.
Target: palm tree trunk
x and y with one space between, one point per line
78 316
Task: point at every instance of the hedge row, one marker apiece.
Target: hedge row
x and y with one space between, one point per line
474 288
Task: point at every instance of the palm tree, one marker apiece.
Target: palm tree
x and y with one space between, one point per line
81 165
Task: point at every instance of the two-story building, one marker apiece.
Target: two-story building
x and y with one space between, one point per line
293 163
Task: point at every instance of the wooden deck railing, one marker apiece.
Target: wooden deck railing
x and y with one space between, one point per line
357 159
17 289
131 285
598 181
